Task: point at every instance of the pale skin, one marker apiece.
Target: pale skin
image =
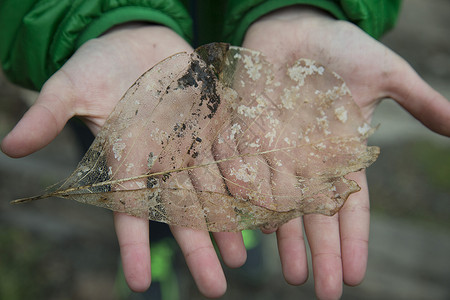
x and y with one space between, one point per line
97 75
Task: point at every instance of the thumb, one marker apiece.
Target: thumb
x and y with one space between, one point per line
418 98
43 121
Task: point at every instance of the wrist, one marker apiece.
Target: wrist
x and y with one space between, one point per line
128 26
289 22
295 13
148 41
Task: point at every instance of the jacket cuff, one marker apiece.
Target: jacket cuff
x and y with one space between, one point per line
374 17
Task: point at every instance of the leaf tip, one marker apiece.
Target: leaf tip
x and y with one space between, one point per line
28 199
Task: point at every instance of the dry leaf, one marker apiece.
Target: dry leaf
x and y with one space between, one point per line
220 140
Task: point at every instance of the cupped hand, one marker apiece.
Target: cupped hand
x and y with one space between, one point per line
89 85
339 244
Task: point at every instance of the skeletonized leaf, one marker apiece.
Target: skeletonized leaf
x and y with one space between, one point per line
221 140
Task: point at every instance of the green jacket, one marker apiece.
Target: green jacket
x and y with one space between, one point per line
38 36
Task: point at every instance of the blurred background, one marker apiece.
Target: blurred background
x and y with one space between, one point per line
59 249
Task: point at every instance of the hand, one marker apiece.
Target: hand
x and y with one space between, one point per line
339 244
89 85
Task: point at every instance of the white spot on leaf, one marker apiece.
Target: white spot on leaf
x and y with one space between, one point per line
118 149
341 114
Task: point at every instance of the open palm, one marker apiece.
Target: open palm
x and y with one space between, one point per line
89 86
339 244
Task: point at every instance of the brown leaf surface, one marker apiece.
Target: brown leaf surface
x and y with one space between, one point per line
221 140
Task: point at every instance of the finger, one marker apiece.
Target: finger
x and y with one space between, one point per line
291 247
195 244
230 244
202 260
133 236
323 237
231 247
41 123
418 98
354 221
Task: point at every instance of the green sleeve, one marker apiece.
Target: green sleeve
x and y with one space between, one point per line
38 36
373 16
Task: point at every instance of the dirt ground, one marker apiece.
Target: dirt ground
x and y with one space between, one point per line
57 249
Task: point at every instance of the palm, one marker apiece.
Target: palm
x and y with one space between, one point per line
339 245
89 85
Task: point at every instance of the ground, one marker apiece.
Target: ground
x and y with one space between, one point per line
57 249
